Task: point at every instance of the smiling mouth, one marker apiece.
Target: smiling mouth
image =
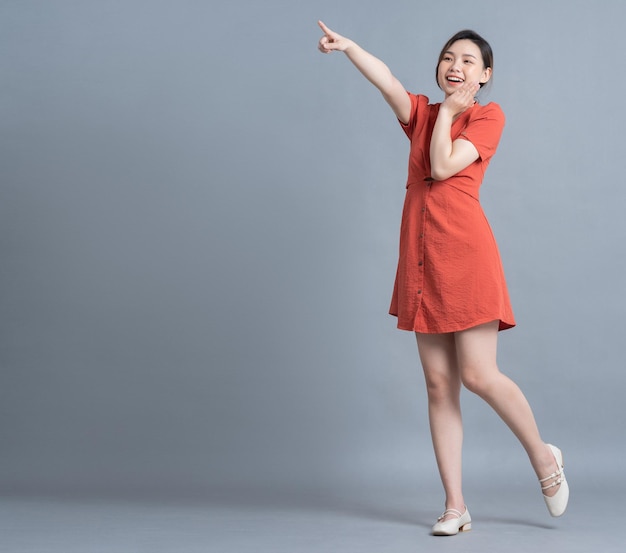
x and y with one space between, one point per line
454 80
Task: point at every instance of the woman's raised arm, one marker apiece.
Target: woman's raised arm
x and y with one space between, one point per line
373 69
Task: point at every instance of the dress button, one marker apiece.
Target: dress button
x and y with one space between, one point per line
419 291
420 263
423 209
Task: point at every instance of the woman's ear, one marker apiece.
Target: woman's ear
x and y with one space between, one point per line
485 76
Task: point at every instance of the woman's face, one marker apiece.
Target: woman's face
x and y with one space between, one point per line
461 63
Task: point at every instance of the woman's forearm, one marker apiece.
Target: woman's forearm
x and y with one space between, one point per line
447 158
441 145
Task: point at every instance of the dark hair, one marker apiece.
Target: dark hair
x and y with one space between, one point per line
467 34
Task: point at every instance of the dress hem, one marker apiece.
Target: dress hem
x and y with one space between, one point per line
503 325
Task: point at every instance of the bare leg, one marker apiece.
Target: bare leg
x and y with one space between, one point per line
476 354
443 383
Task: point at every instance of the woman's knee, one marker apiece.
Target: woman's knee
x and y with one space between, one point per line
442 387
478 380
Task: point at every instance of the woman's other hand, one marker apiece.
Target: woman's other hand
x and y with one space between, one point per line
461 99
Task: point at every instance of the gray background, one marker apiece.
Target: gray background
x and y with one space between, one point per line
198 233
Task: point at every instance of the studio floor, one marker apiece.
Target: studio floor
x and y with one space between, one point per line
300 522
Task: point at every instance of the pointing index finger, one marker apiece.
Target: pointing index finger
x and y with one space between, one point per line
324 27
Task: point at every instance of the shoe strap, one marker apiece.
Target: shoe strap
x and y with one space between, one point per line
553 475
450 512
554 484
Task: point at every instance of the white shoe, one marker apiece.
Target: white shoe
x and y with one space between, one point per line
558 502
452 526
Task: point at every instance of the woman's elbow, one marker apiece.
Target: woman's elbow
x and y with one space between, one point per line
440 173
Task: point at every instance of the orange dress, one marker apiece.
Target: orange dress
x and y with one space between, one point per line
449 275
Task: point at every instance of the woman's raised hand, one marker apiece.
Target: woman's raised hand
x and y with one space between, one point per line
332 40
461 99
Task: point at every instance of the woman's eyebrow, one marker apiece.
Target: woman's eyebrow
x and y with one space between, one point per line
462 55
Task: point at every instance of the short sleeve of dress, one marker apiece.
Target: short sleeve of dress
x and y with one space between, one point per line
418 104
484 130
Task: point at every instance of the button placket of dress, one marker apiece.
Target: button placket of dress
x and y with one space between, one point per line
428 181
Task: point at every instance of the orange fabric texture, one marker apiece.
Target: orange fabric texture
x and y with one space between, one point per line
449 275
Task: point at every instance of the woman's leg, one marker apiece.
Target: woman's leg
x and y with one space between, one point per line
443 384
476 355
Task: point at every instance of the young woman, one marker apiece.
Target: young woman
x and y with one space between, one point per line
450 288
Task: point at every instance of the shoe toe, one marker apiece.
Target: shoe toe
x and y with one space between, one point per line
452 526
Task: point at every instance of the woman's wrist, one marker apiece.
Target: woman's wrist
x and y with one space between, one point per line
351 47
445 112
